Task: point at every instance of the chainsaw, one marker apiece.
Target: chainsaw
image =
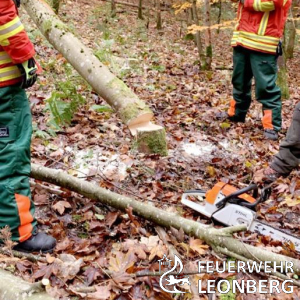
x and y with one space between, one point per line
229 206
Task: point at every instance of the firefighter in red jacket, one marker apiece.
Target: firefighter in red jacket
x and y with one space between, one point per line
17 72
256 46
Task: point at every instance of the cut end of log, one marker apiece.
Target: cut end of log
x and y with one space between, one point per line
143 126
143 120
150 138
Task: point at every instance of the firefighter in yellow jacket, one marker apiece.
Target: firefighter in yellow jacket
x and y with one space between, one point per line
17 72
256 46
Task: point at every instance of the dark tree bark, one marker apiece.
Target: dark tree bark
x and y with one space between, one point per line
158 15
140 12
208 44
113 9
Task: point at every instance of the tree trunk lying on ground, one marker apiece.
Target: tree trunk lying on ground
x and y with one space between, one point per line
219 239
12 287
133 111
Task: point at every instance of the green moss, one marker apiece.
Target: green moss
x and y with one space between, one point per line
76 218
282 82
61 26
47 26
152 143
230 295
118 84
131 110
209 51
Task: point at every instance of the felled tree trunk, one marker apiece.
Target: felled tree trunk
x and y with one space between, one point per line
217 238
132 110
12 287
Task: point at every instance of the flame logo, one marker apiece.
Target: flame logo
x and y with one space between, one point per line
172 280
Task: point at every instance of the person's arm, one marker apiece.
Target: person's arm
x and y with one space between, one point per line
13 37
263 5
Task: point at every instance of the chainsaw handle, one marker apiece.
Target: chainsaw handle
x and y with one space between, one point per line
251 187
195 192
264 195
192 193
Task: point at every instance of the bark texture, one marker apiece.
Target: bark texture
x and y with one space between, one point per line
282 79
12 287
129 107
208 44
215 237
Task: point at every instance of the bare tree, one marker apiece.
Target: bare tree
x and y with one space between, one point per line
113 9
208 45
290 43
197 35
158 15
282 79
140 13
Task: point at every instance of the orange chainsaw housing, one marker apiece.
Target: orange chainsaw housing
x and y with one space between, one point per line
226 190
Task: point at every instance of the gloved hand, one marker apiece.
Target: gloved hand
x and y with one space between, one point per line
28 71
17 3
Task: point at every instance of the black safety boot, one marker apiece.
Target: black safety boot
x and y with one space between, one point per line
38 242
271 134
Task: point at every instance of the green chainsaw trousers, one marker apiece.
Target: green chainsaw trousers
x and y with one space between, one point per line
288 157
16 206
263 67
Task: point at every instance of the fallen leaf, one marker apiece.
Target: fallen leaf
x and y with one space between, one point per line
210 170
134 246
150 242
290 202
60 206
50 259
111 218
67 266
120 262
197 246
102 293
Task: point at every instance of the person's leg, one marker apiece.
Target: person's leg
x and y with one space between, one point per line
16 207
241 80
264 67
288 156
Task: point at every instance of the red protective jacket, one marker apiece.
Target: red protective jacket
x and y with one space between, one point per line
15 46
260 24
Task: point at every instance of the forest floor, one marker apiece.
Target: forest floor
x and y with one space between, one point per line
161 67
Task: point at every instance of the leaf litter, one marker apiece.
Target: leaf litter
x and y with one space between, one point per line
101 248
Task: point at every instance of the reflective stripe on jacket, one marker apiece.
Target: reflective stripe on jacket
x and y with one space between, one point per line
15 46
260 24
